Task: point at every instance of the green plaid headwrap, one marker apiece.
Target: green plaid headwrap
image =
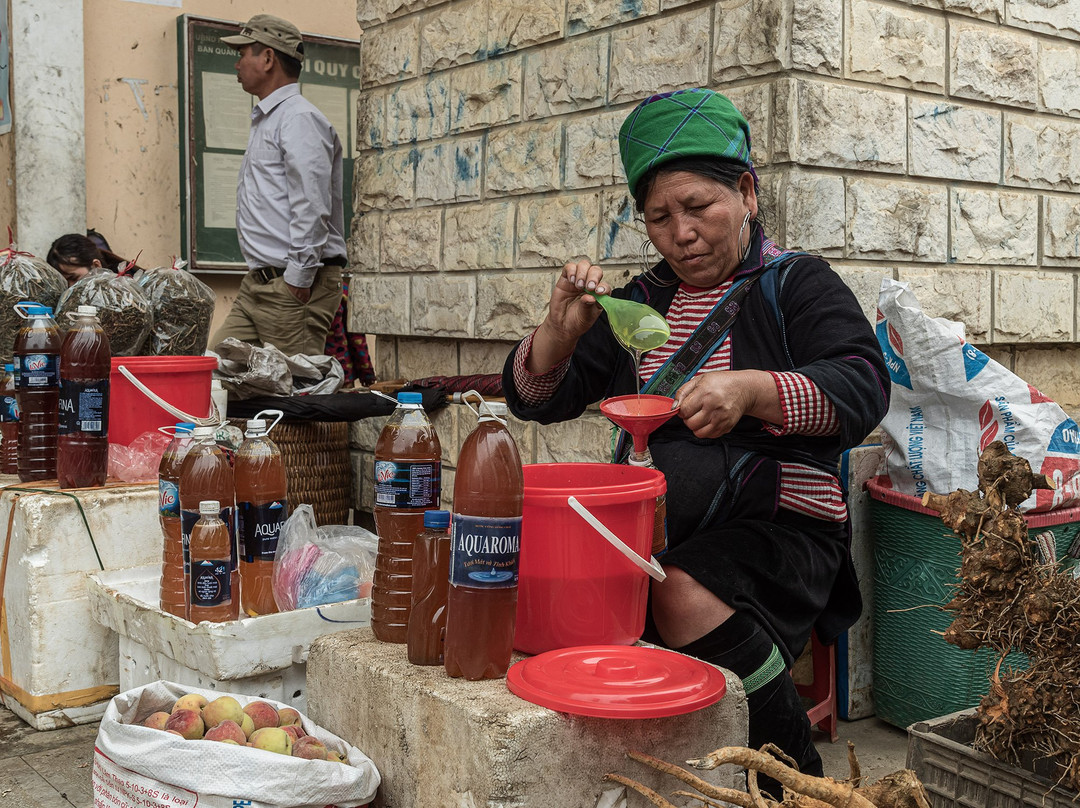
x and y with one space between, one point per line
685 123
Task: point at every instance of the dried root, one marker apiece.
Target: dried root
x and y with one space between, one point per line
899 790
1009 599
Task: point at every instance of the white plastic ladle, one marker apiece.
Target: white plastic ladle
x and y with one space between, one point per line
651 567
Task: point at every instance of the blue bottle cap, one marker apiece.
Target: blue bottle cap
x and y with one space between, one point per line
10 368
436 520
185 426
409 398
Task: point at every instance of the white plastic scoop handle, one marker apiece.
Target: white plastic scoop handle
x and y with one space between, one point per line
651 567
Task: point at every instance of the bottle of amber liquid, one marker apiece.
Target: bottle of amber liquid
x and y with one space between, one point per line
210 595
430 585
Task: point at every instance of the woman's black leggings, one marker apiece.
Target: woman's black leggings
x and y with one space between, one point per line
777 714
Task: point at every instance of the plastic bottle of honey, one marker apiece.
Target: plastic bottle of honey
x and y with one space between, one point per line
408 474
172 593
261 508
37 382
430 584
210 595
82 445
9 423
206 474
481 606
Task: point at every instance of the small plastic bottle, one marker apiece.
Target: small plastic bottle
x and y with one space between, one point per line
37 382
430 585
9 423
261 508
82 446
489 490
173 592
408 474
211 596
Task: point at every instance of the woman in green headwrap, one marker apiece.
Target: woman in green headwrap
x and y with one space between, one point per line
776 371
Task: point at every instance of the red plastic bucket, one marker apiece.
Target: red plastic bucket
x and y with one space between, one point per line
573 587
183 381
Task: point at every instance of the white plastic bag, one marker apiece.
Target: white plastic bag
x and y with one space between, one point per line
314 565
950 400
140 767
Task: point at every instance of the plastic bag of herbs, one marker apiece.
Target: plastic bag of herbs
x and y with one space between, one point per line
182 307
23 277
122 307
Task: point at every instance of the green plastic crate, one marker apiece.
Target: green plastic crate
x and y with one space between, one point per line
917 675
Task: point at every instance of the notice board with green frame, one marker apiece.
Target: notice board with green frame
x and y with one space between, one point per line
215 118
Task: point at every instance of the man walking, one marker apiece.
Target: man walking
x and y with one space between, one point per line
289 214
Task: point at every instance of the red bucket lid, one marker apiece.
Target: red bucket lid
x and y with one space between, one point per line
617 681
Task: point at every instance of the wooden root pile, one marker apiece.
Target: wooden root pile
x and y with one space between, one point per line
901 789
1009 600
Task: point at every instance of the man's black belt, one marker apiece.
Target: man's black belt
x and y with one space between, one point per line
267 274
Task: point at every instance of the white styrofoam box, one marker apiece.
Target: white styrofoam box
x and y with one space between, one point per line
855 684
263 656
58 666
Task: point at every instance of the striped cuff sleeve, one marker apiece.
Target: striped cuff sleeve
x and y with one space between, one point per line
536 389
807 411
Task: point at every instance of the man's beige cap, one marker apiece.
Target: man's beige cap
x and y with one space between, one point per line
279 34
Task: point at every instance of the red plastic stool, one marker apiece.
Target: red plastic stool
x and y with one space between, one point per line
822 691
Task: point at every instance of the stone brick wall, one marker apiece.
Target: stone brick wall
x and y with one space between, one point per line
933 141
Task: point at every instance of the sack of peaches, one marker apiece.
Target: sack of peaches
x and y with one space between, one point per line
165 745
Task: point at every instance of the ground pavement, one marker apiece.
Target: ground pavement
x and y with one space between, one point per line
52 769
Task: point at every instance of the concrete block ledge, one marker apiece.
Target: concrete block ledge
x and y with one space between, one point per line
448 743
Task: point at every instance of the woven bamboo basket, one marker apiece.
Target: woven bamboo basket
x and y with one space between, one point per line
317 466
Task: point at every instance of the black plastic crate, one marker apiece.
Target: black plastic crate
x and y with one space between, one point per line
956 776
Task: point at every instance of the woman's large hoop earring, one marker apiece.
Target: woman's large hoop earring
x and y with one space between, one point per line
749 238
647 263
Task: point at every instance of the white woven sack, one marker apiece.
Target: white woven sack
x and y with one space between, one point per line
140 767
950 401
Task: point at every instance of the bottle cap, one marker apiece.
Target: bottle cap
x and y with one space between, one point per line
494 408
209 507
436 520
255 427
32 309
410 398
203 432
87 310
185 426
10 368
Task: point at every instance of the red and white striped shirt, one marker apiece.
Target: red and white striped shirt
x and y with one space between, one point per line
807 411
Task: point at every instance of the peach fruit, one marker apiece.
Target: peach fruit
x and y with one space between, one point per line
187 722
223 708
247 725
272 739
287 716
192 701
156 720
227 730
262 714
309 748
296 732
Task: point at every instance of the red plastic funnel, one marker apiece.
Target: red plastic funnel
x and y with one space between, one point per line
639 415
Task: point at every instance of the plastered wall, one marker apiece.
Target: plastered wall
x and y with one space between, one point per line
132 146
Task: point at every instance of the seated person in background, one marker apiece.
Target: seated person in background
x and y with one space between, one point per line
776 371
74 256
